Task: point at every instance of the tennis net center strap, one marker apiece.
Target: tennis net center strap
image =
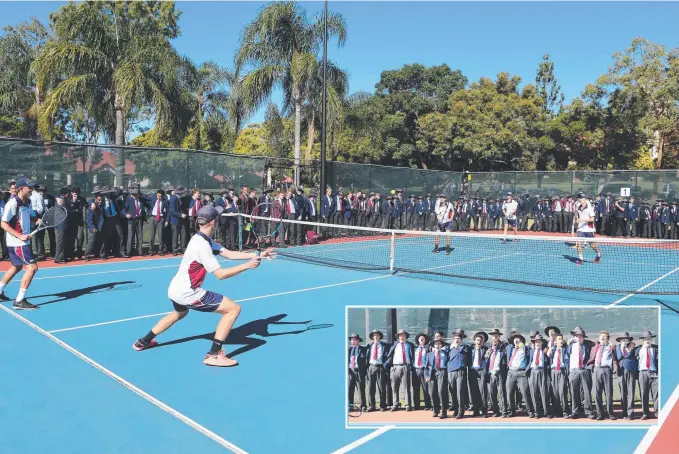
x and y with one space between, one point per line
606 265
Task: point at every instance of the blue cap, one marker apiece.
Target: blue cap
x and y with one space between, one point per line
209 213
23 181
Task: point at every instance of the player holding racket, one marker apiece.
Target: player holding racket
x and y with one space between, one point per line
509 208
16 221
186 293
585 220
444 221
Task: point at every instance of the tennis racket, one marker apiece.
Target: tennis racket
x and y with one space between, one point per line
355 411
53 217
264 224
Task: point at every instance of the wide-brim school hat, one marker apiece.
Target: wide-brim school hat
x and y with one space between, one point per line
482 334
625 336
557 330
402 331
647 335
355 336
376 331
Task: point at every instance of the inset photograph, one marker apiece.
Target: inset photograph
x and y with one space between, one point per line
503 365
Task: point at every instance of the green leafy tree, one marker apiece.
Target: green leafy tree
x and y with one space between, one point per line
548 88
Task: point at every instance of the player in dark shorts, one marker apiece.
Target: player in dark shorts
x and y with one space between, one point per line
186 290
16 222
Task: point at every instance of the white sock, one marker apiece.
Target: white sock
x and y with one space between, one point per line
2 287
21 294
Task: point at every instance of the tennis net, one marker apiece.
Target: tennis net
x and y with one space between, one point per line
626 266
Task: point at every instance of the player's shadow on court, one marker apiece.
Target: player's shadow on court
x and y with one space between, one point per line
240 335
78 292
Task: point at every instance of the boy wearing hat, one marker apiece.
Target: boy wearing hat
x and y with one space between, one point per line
518 355
628 372
478 390
579 376
437 378
539 377
558 363
647 357
357 369
134 212
377 374
399 361
186 290
95 223
496 371
16 222
157 218
457 373
419 368
605 364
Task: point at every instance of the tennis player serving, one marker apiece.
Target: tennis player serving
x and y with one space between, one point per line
186 292
585 222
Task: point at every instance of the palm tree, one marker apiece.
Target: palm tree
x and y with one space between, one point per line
282 43
237 106
113 58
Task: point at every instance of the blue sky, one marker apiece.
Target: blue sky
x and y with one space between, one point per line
479 38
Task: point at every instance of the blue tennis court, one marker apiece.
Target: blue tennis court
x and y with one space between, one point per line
73 383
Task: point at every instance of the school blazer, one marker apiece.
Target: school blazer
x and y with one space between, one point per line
385 352
130 208
427 349
328 205
164 209
431 364
510 350
483 358
410 352
500 355
95 221
626 361
531 359
175 209
595 351
361 358
585 348
565 353
654 347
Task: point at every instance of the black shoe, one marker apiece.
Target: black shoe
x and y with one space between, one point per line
394 408
436 250
24 305
550 416
435 415
409 408
443 416
4 297
644 417
448 251
383 409
612 418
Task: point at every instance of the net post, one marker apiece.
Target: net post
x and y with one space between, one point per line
240 232
391 253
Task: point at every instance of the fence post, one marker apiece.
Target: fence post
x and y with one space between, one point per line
391 264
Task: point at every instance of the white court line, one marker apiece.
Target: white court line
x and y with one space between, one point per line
641 288
653 431
363 440
107 272
271 295
141 393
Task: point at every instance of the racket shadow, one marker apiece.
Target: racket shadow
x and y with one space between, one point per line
77 293
241 335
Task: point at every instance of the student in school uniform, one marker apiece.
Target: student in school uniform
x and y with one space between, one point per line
377 373
558 363
436 377
477 375
357 369
628 373
647 357
518 355
457 373
134 212
579 376
418 375
496 373
604 364
538 367
399 362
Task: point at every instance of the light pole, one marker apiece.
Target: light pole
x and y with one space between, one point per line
325 101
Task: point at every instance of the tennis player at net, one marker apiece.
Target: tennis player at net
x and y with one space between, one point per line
585 221
186 290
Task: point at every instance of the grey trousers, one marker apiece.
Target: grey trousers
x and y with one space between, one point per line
478 390
517 378
627 382
377 376
457 382
356 380
496 385
560 389
419 382
603 383
648 381
438 390
581 385
401 375
539 390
